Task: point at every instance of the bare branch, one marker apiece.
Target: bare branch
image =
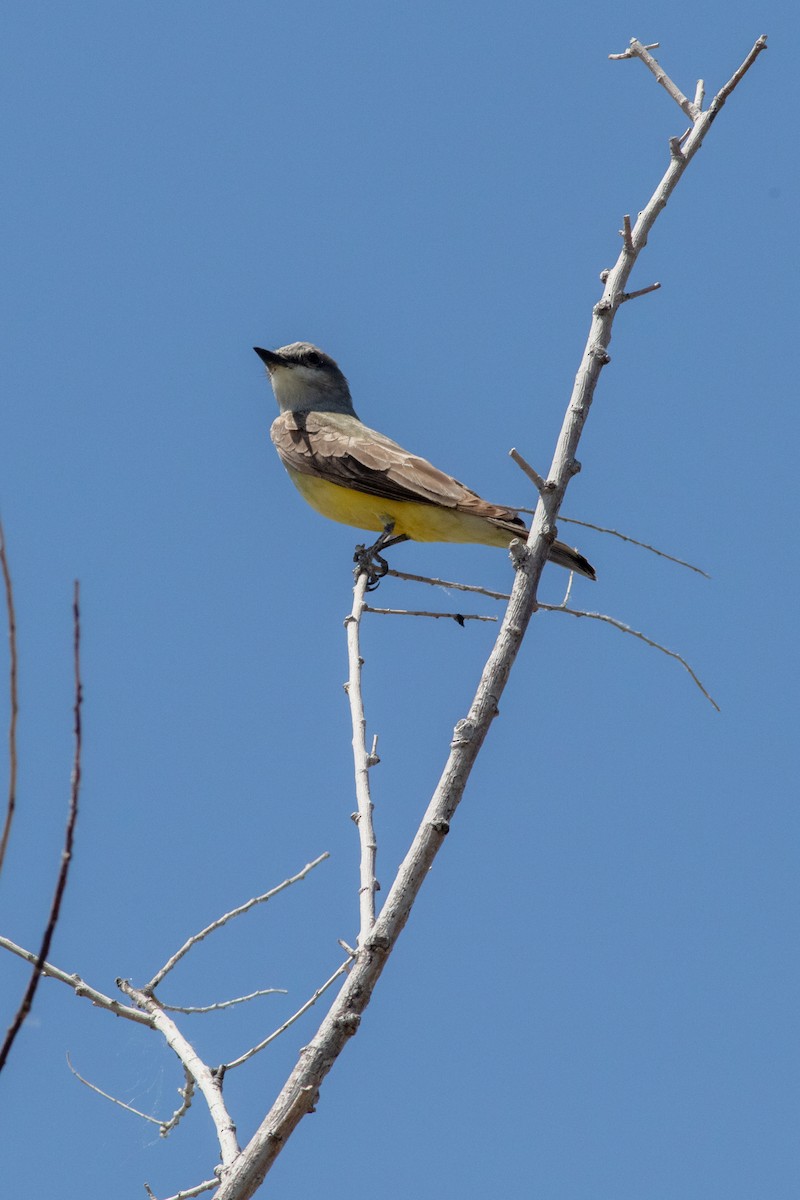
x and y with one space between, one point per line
208 1081
737 77
578 612
625 233
66 853
449 583
229 916
368 883
207 1008
645 291
634 542
187 1193
298 1096
630 54
542 485
637 50
114 1100
79 986
13 699
459 618
187 1095
237 1062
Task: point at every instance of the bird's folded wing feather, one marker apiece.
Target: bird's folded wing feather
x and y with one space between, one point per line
341 449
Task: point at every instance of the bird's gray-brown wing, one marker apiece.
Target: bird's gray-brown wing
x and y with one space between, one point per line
341 449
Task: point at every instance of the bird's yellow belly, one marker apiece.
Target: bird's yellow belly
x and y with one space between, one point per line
419 522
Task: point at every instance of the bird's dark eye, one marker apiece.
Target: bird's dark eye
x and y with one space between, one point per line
312 358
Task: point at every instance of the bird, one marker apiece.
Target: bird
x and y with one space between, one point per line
359 477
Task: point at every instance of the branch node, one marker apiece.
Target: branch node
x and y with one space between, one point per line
675 149
464 731
348 1023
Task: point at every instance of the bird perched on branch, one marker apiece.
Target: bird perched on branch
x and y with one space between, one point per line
357 476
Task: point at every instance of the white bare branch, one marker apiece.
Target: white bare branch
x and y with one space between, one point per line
186 1094
237 1062
368 883
542 485
637 50
229 916
79 986
114 1099
209 1082
186 1193
207 1008
300 1091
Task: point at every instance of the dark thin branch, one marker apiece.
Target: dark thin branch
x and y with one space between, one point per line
66 853
623 537
623 628
459 618
13 700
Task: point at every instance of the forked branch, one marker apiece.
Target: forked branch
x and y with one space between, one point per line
300 1092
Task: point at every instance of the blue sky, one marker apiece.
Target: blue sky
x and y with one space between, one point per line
597 992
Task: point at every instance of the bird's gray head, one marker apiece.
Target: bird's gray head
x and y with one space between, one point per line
305 379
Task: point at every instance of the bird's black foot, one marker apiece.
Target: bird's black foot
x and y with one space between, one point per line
370 561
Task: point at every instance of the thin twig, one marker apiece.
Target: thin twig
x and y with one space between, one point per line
229 916
69 835
207 1008
13 699
645 291
578 612
237 1062
459 618
637 50
368 883
79 986
186 1094
114 1100
629 53
634 542
737 76
449 583
625 233
186 1193
542 485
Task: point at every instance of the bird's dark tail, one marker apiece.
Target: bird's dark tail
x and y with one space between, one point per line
572 560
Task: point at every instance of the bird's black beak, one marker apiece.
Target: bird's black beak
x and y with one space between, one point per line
269 358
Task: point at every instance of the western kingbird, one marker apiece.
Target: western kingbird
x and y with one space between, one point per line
357 476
